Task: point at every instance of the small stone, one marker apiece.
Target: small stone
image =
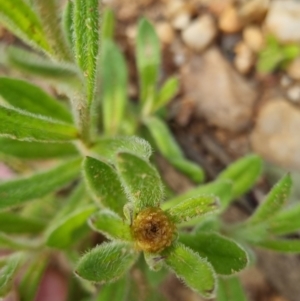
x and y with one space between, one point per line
229 21
283 20
293 70
285 81
220 94
244 59
253 10
276 134
293 94
165 32
200 33
181 21
217 6
253 37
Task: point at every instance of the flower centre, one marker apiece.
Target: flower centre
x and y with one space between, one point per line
152 230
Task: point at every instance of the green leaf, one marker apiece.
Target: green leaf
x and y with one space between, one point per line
273 202
7 242
86 37
141 181
36 150
225 255
104 183
32 63
65 233
25 96
243 173
107 262
193 207
108 147
219 188
68 18
31 279
148 62
9 271
11 222
169 148
166 93
286 221
19 191
22 21
18 125
116 291
49 13
114 87
110 225
281 245
108 24
230 289
195 271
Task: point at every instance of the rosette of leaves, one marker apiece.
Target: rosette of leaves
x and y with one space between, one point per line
134 222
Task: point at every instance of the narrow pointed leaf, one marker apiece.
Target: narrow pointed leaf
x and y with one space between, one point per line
68 230
114 87
7 242
68 19
11 222
108 147
107 262
281 245
18 125
25 96
49 13
22 21
9 271
32 277
274 201
286 221
111 225
32 63
104 184
141 181
86 36
36 150
225 255
148 61
166 93
19 191
195 271
169 148
194 207
243 173
116 291
108 24
220 188
230 289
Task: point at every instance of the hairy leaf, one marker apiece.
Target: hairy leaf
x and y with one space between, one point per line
230 289
108 147
104 184
116 291
66 232
114 87
36 150
107 262
243 173
18 125
31 98
19 191
111 225
169 148
193 207
225 255
148 62
68 18
141 181
22 21
195 271
273 202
